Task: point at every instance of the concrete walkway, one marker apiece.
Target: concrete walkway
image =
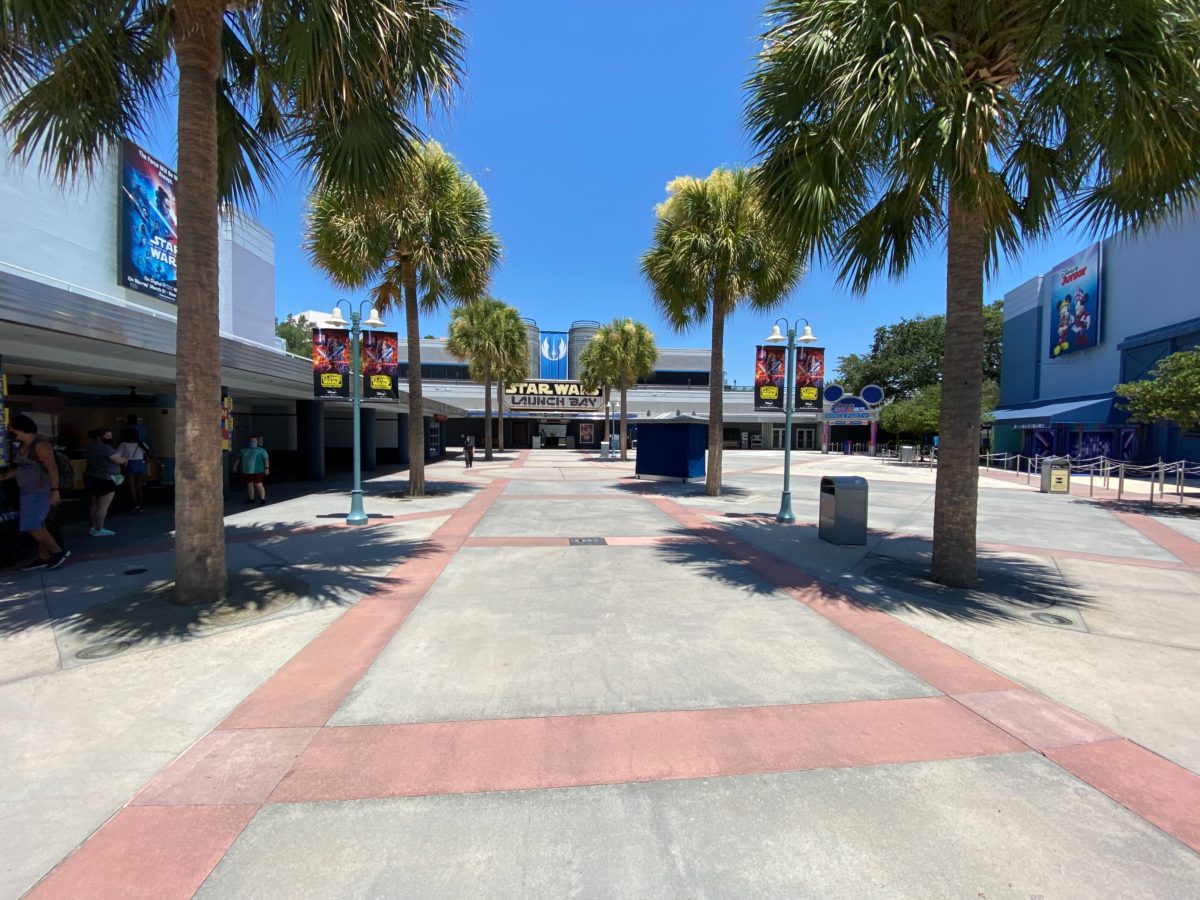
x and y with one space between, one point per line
550 679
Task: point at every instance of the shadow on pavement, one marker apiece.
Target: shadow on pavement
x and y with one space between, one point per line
675 488
709 561
398 490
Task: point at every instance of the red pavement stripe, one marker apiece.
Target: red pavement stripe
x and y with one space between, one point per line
519 462
648 540
929 659
1156 789
159 852
573 498
368 761
1035 720
312 684
517 542
1179 545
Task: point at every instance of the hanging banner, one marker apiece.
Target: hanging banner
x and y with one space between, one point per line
380 365
149 235
561 396
810 377
769 373
1071 294
554 355
5 443
331 363
226 422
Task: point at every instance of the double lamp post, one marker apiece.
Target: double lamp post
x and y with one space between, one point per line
786 516
358 515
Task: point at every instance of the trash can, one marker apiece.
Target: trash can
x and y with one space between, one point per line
843 517
846 448
908 454
1056 475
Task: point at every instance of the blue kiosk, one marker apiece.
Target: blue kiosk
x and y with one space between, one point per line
671 449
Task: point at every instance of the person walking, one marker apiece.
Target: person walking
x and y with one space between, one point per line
36 472
254 465
137 453
101 477
469 449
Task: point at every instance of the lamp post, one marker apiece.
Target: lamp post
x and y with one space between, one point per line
357 515
786 516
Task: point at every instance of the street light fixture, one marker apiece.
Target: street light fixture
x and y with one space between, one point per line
357 515
786 516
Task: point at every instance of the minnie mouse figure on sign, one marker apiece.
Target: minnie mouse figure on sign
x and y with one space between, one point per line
1081 321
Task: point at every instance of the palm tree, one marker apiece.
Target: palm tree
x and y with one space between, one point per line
888 127
621 352
490 334
716 249
510 369
253 79
423 241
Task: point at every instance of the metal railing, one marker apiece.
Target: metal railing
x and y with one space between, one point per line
1155 474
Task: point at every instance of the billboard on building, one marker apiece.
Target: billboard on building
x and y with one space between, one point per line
1071 294
810 377
553 355
769 377
148 241
560 396
331 363
380 365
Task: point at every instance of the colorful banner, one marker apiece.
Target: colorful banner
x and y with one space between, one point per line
1071 293
810 377
380 365
587 433
331 363
554 355
149 232
226 422
769 378
5 443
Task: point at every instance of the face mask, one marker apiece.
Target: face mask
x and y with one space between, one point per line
253 445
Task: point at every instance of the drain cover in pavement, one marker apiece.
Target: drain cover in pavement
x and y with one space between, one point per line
100 651
134 571
1051 619
587 542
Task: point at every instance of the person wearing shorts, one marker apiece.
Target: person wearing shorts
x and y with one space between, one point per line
254 465
134 449
101 477
37 479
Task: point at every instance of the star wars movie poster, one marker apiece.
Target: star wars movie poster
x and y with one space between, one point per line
331 363
810 377
769 378
380 365
148 224
1071 294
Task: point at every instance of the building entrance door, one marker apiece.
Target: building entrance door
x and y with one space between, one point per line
804 437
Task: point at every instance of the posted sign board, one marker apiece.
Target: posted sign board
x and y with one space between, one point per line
559 396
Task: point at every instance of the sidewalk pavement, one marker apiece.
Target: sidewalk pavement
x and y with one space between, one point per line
550 679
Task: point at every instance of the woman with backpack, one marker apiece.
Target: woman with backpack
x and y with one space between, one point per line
37 474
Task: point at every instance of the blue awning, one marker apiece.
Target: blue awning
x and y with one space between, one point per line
1074 412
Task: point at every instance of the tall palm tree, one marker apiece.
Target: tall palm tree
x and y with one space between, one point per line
715 250
621 352
334 81
490 334
422 242
510 369
888 127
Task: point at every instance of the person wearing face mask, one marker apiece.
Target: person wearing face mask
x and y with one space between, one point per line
254 465
102 476
37 479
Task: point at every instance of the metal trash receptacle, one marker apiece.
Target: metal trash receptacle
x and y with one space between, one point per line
1056 475
908 454
843 516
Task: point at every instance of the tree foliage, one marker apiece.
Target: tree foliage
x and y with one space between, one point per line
423 242
490 335
890 127
909 354
717 249
621 352
1170 394
919 414
296 332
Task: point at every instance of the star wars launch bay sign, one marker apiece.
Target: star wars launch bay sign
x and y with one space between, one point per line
559 396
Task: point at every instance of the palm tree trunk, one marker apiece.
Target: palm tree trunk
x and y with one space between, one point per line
416 403
200 575
500 416
957 493
716 397
487 414
624 428
607 400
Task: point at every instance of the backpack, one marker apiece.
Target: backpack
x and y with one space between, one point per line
66 471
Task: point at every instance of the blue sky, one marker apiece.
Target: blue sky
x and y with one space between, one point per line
573 119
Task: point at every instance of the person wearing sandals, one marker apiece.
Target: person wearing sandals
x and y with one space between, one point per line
102 476
37 479
134 449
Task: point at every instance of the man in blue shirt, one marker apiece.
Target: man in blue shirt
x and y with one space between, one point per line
254 465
